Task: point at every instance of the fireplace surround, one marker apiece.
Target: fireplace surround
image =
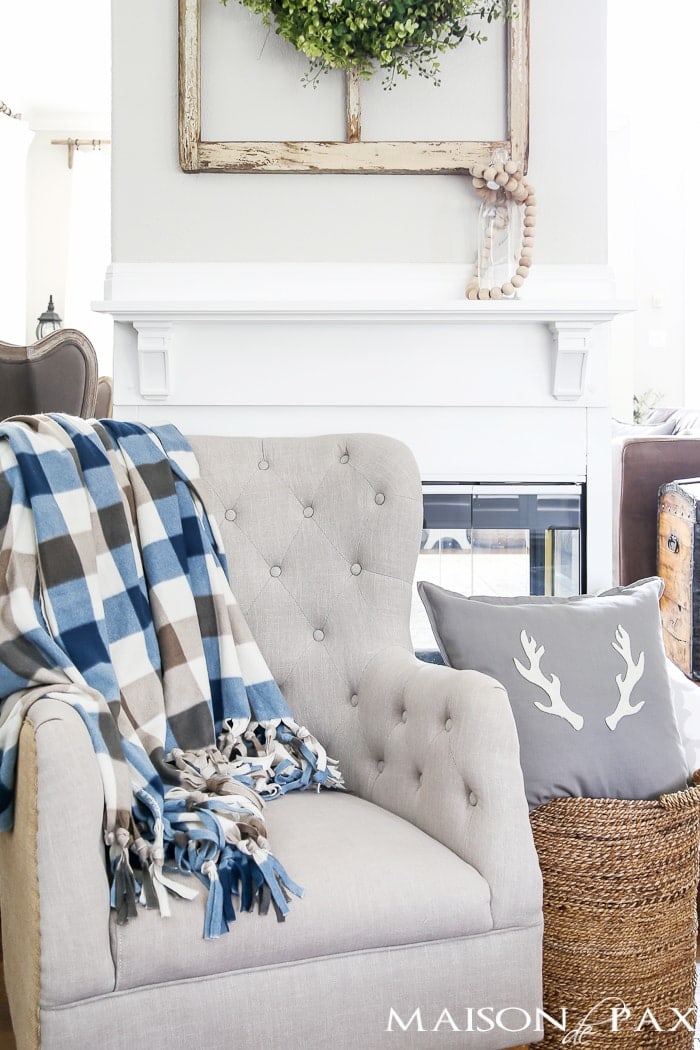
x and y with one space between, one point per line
507 391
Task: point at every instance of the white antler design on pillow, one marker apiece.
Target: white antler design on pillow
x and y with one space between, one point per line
551 686
626 683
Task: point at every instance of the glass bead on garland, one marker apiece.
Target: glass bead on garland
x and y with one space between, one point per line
506 230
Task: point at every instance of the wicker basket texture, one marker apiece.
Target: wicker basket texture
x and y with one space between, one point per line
620 918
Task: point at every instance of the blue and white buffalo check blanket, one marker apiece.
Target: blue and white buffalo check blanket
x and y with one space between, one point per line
114 598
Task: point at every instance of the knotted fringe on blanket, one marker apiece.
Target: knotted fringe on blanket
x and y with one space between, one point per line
114 598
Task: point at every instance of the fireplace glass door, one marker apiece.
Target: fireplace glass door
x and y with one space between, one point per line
505 539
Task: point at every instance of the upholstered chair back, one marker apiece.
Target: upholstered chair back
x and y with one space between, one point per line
322 536
57 374
104 402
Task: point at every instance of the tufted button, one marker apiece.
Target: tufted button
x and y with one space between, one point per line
263 465
379 498
380 766
318 635
356 569
345 458
472 799
230 514
308 512
275 570
404 716
448 725
354 700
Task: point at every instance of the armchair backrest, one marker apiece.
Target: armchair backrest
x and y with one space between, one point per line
57 374
322 536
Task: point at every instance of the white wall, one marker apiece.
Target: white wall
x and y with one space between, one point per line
15 141
48 227
55 71
162 214
68 237
654 223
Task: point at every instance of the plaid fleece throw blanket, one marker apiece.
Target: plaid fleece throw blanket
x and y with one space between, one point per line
114 598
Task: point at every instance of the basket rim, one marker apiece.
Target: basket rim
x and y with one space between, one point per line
686 797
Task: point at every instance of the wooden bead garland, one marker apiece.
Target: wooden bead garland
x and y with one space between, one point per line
496 184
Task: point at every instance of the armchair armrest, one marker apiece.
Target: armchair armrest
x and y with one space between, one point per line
54 890
442 752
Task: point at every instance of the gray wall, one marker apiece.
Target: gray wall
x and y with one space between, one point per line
161 214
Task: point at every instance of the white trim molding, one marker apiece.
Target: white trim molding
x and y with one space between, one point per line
339 282
154 298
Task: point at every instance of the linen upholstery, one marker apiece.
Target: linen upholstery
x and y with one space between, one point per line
445 740
364 512
340 1001
355 682
22 978
366 861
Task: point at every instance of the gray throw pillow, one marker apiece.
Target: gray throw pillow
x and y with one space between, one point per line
587 682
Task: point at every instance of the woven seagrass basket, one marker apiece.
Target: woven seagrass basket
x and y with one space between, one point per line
620 919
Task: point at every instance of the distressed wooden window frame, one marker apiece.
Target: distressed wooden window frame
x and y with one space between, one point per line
352 155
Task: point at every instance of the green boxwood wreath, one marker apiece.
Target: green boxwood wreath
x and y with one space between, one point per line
400 36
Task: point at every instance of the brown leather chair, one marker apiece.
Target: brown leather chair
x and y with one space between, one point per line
641 465
57 374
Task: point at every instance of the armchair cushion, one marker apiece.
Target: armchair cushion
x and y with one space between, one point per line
587 681
369 877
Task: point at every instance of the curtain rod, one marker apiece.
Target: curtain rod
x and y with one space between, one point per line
74 144
8 112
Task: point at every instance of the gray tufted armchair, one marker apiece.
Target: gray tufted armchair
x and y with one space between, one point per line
422 890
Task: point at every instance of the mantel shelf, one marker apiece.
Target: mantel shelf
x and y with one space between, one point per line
442 311
570 323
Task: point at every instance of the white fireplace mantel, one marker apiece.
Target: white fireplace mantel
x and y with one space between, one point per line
509 390
571 328
402 294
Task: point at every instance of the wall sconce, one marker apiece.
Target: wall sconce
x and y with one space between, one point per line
49 321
